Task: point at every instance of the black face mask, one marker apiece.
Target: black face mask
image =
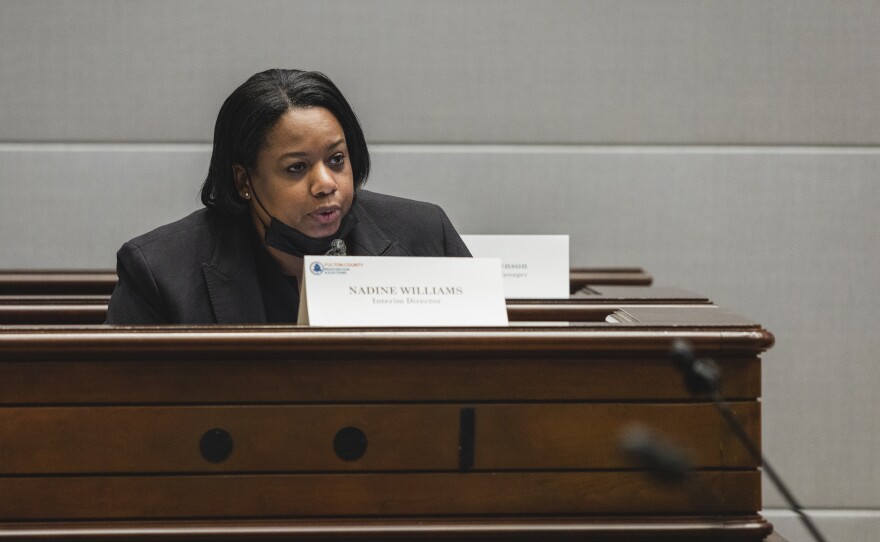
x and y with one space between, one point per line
291 241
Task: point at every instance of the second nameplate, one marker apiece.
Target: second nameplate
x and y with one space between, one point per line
533 266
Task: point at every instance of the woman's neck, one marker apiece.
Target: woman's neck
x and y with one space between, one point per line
290 265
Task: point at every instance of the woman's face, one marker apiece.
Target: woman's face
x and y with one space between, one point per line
302 174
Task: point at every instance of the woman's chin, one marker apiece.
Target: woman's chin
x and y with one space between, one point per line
322 230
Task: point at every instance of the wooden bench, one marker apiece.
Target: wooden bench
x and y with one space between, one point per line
102 282
593 304
71 297
284 432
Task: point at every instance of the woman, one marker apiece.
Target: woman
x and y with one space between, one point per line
285 181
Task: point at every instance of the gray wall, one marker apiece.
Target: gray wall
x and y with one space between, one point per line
727 147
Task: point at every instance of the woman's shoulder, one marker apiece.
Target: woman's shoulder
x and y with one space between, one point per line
384 208
162 272
419 228
374 198
184 244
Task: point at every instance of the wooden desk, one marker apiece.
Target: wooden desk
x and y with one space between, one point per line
53 309
591 304
92 310
595 304
100 282
371 433
94 282
663 295
70 297
581 277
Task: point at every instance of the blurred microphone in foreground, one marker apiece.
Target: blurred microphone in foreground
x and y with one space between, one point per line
703 377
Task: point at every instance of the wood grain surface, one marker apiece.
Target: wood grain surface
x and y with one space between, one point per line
100 425
385 494
163 439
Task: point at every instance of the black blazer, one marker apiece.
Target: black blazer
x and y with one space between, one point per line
201 270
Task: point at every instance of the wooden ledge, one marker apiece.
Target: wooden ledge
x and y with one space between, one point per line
257 341
547 528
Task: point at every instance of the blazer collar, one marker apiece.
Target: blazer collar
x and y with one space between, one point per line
368 239
231 275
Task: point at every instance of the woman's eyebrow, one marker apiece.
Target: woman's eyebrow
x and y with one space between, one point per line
301 154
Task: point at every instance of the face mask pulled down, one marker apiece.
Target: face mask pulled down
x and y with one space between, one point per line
292 241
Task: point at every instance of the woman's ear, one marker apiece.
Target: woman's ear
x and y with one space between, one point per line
242 181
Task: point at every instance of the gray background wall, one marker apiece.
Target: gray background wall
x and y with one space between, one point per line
727 147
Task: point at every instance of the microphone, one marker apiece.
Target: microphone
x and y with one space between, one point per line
337 248
667 463
663 460
702 377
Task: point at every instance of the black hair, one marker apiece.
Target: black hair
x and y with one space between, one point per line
252 110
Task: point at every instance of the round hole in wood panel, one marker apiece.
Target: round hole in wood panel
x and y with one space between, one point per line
216 445
350 443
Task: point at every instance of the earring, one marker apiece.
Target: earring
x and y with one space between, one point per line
247 195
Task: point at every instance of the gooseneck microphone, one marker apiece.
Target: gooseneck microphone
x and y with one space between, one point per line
702 377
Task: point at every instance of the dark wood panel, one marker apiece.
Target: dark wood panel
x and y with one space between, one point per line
41 440
325 378
265 438
577 436
85 310
59 313
57 299
102 282
589 305
81 310
581 277
388 494
529 311
639 294
60 281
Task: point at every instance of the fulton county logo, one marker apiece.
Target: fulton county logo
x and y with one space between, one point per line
330 268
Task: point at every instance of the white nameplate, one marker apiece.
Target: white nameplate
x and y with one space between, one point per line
390 291
534 266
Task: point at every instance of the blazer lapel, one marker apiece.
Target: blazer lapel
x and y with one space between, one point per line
231 276
367 239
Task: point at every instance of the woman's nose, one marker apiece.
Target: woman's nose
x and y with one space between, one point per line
323 181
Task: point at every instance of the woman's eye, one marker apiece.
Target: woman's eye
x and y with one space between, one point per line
298 167
337 159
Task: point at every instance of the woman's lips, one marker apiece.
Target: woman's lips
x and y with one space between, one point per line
326 216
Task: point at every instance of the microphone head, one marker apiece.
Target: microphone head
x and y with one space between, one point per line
682 354
700 375
337 248
663 460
